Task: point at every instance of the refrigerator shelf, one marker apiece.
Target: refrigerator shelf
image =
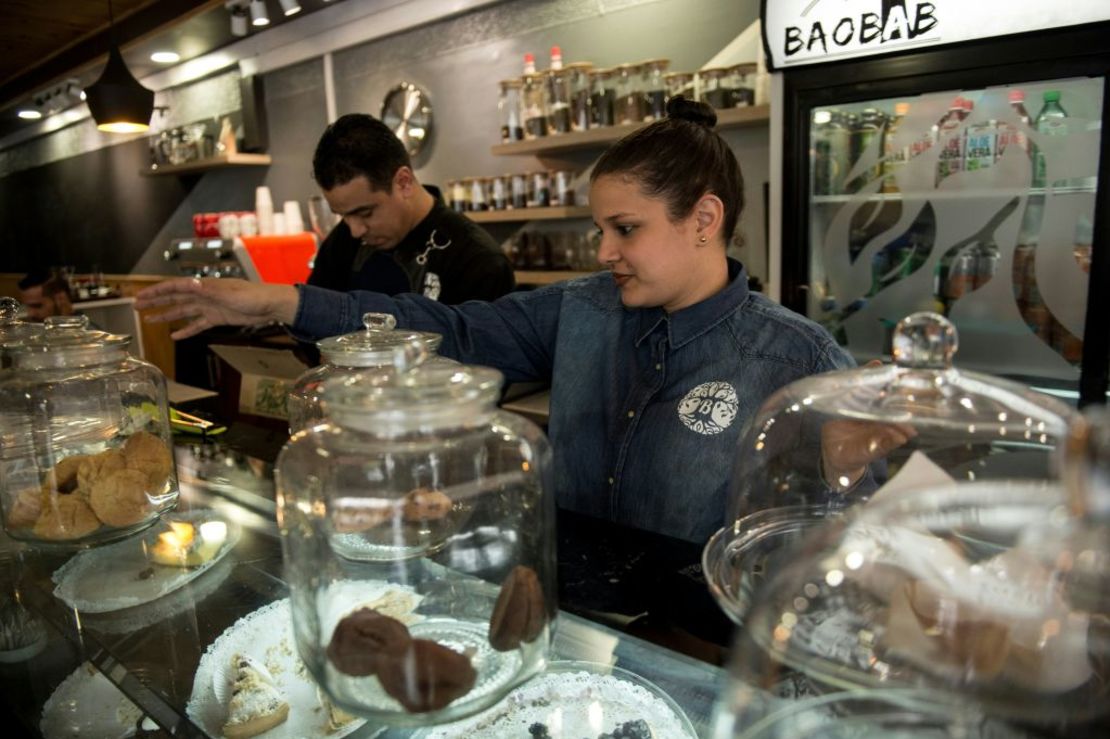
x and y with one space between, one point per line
952 194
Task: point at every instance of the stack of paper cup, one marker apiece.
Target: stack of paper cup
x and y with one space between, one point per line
294 224
264 206
279 224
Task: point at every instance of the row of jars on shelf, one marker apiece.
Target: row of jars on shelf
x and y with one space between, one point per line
579 96
555 250
512 191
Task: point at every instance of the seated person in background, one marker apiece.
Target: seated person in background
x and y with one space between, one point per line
656 364
396 235
44 295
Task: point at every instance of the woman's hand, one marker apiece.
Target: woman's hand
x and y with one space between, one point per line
847 447
218 302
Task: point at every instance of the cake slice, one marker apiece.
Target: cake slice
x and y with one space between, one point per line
337 717
256 705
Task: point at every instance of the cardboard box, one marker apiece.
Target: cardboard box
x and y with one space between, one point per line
265 377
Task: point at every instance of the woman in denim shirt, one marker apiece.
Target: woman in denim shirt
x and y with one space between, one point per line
655 364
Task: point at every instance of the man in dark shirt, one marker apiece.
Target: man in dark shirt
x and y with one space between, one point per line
396 235
44 295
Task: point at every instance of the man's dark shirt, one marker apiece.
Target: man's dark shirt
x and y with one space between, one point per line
446 257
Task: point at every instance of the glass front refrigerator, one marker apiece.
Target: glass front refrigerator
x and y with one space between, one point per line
970 180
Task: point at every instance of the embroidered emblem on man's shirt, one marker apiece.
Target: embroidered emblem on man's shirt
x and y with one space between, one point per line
710 408
432 285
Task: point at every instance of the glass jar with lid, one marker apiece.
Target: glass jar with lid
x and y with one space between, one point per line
630 94
580 95
13 328
85 453
680 83
603 97
654 86
828 443
418 534
557 100
533 97
509 110
967 608
741 80
379 345
713 88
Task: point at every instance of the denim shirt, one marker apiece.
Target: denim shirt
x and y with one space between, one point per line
646 407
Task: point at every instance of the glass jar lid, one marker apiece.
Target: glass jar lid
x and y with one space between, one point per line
828 442
660 63
515 82
425 397
66 341
380 344
579 66
12 326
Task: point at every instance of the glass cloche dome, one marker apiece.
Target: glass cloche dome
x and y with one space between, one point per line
977 609
829 442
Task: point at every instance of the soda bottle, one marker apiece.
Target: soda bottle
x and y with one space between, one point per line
1008 133
1051 121
894 157
951 157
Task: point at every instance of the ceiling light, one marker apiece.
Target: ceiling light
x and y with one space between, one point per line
240 19
290 7
29 115
259 16
118 103
165 57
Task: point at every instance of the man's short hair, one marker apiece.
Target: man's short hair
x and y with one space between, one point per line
52 284
358 145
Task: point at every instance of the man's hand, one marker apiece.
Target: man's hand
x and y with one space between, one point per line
218 302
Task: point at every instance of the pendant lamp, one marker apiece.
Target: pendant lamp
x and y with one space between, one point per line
118 103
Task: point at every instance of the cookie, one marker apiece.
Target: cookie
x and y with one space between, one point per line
366 513
147 453
519 614
120 498
65 517
423 504
427 676
26 508
63 477
364 640
96 466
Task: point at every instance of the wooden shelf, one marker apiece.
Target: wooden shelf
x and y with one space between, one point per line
203 165
732 118
529 214
545 277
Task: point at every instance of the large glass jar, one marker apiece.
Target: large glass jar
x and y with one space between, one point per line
533 95
603 97
85 446
509 111
824 444
557 101
579 95
630 94
654 86
418 533
379 345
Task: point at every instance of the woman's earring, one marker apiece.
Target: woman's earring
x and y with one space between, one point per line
702 240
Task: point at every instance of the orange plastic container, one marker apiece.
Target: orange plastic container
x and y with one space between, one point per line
280 259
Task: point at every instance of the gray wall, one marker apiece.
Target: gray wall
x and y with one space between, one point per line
458 62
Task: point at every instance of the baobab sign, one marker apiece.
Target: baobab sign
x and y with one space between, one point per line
798 32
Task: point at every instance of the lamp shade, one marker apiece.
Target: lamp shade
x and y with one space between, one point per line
117 101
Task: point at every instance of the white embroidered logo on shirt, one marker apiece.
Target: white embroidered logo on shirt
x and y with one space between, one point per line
710 408
432 285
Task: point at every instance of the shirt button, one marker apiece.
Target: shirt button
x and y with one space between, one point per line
610 481
658 367
631 414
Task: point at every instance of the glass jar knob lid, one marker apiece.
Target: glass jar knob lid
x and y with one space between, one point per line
924 340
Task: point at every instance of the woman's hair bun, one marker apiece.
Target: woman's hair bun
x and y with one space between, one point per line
684 109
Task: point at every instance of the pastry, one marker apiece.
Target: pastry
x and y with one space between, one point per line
63 477
365 513
26 508
97 466
120 499
337 717
519 614
65 517
427 676
423 504
364 640
147 453
255 706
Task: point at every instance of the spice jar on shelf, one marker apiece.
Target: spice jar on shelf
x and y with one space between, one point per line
740 80
603 97
499 192
460 196
579 95
557 100
540 191
713 88
533 95
562 188
654 86
518 191
630 97
478 195
509 111
680 83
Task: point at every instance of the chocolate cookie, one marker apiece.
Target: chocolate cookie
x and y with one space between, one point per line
98 466
65 517
364 640
120 499
427 676
519 614
423 504
147 453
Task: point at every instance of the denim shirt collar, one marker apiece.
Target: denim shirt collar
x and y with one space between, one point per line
685 325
